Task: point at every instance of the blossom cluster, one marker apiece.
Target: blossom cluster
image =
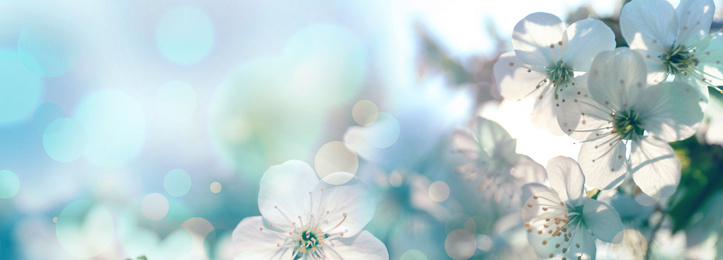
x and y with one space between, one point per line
624 105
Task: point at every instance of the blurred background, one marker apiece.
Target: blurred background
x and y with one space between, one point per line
141 129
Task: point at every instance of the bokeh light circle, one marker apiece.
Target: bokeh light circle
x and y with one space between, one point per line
20 89
384 132
199 228
115 126
365 112
85 229
9 184
334 157
154 206
413 254
177 182
64 140
439 191
45 114
175 101
185 35
484 242
46 51
460 244
55 219
215 187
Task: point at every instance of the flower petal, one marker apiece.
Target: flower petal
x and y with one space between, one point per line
578 114
670 111
617 77
694 18
602 159
654 167
352 199
579 244
493 138
527 191
565 177
463 141
253 239
602 220
528 171
544 112
287 186
363 246
650 25
539 39
515 79
587 38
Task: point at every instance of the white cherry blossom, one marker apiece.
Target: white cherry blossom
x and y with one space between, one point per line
675 41
548 62
305 218
623 110
561 221
494 162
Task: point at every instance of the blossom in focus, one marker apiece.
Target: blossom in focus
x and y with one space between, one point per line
561 220
622 109
675 41
305 218
492 159
548 62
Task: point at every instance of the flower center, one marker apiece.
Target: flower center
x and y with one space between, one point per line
679 59
308 241
627 125
560 73
307 235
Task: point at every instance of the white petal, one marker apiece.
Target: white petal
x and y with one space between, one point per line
670 111
580 244
544 112
287 186
527 191
493 138
711 60
603 161
587 38
694 18
537 39
528 171
363 246
602 220
352 198
617 77
565 177
578 114
649 25
654 166
463 141
253 239
514 78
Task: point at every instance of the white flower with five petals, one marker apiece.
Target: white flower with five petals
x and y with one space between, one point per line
305 218
548 62
561 220
675 41
623 110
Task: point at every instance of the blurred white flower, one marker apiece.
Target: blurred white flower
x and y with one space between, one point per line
493 161
304 218
675 41
623 110
549 59
561 220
